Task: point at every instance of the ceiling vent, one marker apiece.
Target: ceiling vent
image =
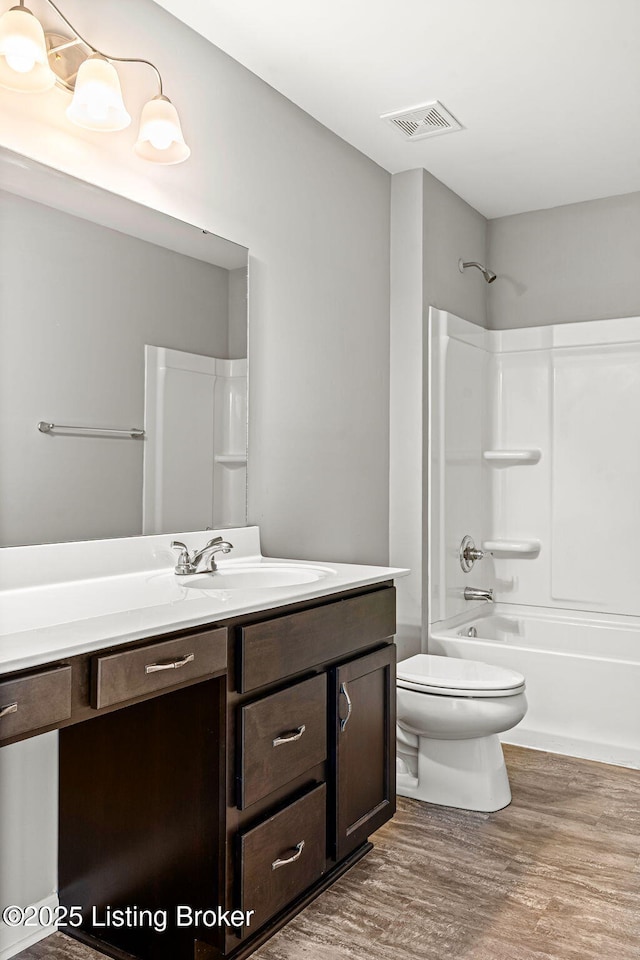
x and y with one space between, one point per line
429 120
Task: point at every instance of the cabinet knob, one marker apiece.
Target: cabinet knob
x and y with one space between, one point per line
10 708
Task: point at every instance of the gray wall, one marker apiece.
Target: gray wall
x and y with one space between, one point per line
431 228
405 472
28 826
315 215
453 229
78 302
577 262
237 313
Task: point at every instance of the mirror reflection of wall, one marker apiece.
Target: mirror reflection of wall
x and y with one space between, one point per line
78 303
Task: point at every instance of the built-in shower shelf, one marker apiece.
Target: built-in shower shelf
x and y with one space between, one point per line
230 458
512 548
531 455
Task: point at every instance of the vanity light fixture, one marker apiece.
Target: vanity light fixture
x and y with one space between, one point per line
32 62
160 133
24 62
97 98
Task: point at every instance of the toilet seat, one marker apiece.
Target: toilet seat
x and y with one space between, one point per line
454 677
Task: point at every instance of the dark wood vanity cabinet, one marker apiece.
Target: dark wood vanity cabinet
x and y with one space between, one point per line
280 858
28 703
311 745
365 760
281 736
235 767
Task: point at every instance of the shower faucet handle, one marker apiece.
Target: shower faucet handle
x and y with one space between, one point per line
469 553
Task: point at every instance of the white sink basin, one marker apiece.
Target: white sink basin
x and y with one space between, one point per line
259 577
34 607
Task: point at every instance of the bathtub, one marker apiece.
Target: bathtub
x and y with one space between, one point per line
582 673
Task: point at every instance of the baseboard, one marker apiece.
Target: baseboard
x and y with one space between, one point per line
619 756
15 939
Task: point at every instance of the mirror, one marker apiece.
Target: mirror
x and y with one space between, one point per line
123 365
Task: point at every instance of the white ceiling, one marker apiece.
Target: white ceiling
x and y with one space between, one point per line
548 91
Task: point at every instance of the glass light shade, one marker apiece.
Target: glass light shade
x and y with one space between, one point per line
97 98
160 139
24 64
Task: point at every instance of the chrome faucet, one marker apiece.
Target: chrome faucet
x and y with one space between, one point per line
478 593
190 562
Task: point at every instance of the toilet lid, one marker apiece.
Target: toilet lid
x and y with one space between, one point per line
457 677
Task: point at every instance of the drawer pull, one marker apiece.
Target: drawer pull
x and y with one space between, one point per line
283 863
290 738
10 708
345 693
172 665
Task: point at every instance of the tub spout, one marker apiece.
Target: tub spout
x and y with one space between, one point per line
478 593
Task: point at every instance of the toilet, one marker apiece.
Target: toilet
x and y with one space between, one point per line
449 715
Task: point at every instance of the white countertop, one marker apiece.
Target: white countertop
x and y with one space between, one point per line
62 600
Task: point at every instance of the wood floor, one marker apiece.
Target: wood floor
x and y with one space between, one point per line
554 876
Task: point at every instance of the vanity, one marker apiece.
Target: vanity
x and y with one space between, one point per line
224 756
225 741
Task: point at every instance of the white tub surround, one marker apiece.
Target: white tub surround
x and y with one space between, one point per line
214 391
60 600
533 455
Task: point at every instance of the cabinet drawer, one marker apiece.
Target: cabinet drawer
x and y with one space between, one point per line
38 700
284 646
280 858
117 677
282 736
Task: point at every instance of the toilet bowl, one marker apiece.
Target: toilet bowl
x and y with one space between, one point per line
449 715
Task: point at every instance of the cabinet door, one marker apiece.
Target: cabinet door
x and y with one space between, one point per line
365 720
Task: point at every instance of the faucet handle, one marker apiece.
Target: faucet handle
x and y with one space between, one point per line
213 542
183 564
469 553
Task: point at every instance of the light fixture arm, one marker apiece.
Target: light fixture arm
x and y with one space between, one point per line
95 49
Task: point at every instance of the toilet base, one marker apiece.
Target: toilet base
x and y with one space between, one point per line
468 774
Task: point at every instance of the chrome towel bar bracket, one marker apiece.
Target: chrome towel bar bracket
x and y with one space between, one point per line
44 426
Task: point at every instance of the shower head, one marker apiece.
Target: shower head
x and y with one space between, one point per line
489 275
